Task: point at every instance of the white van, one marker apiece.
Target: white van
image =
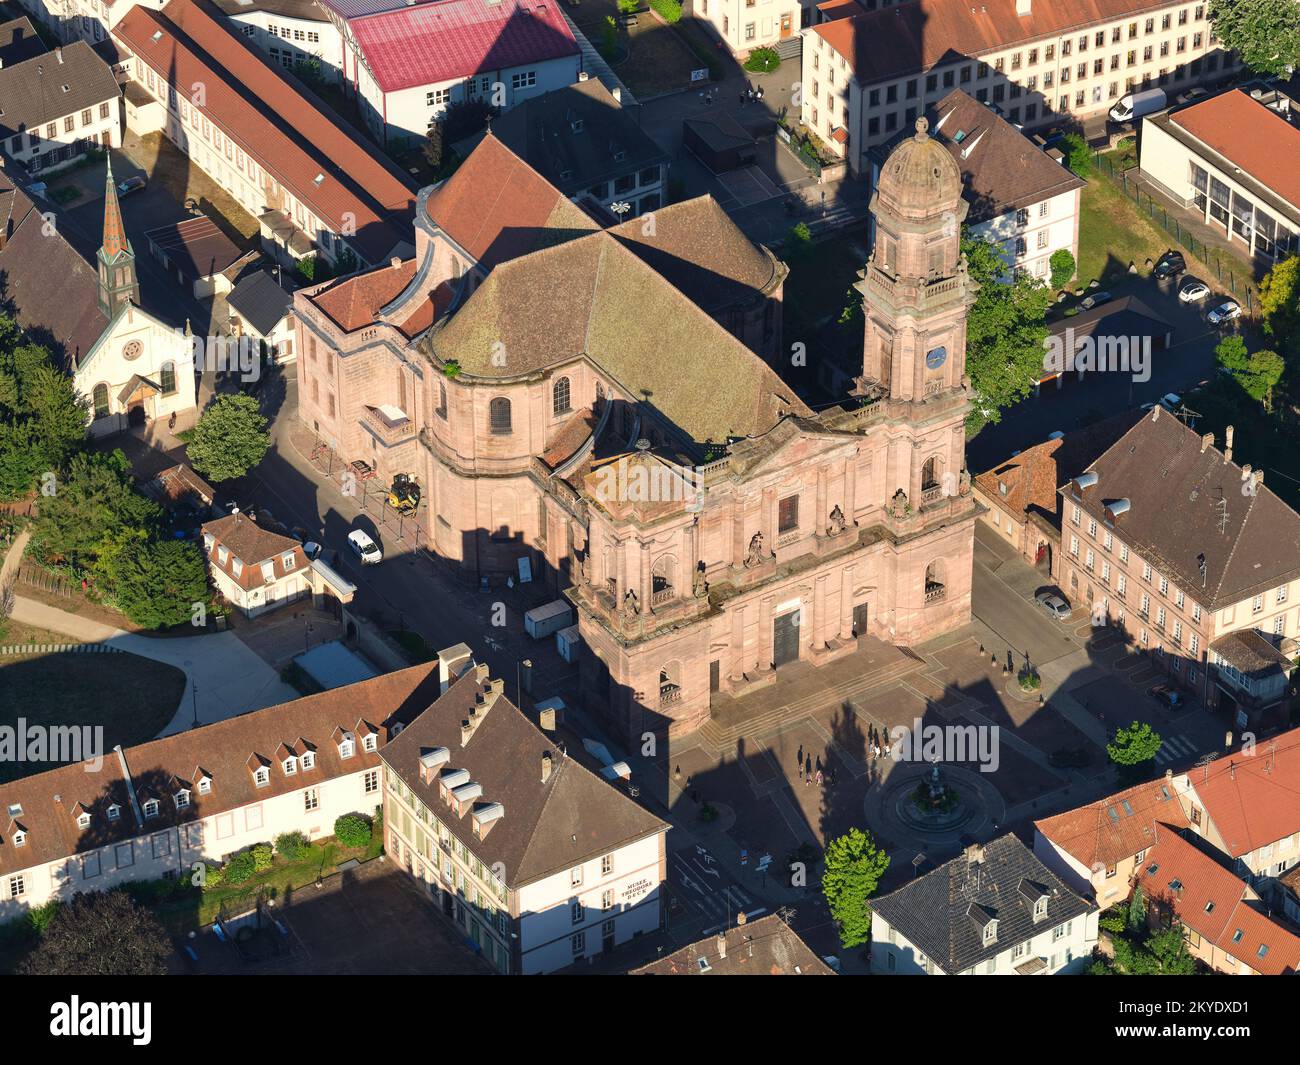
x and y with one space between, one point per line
1135 105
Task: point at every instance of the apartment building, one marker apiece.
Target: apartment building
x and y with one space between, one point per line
535 859
1021 200
875 72
82 20
748 24
1097 849
408 63
290 32
314 187
1226 924
160 808
57 106
1229 563
1235 160
993 910
1244 805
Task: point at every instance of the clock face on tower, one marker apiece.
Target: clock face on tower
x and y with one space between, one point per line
936 357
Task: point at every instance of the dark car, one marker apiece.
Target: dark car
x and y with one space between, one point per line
131 184
1167 696
1171 264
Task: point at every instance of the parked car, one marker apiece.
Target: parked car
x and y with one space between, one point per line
364 548
1225 312
1167 696
312 550
131 184
1171 264
1094 300
1135 105
1193 291
1053 604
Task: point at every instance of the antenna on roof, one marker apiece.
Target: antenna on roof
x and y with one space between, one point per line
1222 506
1204 762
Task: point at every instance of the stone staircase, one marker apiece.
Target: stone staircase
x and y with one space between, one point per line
790 48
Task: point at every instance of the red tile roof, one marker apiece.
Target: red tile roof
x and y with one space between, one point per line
1253 799
292 140
1117 827
914 35
497 207
1212 902
1249 135
250 545
426 44
354 302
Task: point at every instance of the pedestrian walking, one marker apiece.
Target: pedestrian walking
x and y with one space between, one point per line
819 778
799 757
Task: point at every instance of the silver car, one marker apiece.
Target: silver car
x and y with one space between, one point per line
1053 604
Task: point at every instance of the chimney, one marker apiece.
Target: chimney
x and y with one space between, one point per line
1169 774
58 54
1024 8
583 75
741 918
395 263
722 945
1155 413
617 93
974 854
546 766
1227 444
1207 441
1258 477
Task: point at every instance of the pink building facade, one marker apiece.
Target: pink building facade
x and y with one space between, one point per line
592 400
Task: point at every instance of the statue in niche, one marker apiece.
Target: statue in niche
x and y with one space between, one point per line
963 485
699 586
754 556
837 523
631 605
899 507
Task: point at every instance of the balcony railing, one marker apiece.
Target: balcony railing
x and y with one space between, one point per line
389 431
931 494
669 693
934 592
664 595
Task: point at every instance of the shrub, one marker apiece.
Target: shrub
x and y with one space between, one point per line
41 916
1078 155
352 830
1062 266
292 846
762 61
240 868
668 10
213 877
629 7
262 857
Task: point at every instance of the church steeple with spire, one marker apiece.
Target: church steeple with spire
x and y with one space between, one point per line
117 278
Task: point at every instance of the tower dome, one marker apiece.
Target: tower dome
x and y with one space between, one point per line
920 178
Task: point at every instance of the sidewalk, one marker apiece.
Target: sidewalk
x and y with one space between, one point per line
223 678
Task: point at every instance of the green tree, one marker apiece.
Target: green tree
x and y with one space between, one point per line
854 866
1265 33
1134 749
100 934
1257 374
1078 156
1062 266
229 439
157 584
1279 301
1005 331
798 244
93 514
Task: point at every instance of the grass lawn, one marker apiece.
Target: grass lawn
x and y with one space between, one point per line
1112 233
133 698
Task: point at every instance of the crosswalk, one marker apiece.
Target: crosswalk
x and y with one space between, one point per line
706 886
1176 749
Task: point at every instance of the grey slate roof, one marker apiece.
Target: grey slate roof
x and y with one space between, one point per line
570 136
18 41
51 288
548 826
1250 541
49 86
943 911
260 301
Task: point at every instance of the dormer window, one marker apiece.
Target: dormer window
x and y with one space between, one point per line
205 785
114 812
371 743
286 561
308 760
262 776
223 555
83 820
990 933
290 766
182 799
237 567
150 808
1040 907
347 746
20 839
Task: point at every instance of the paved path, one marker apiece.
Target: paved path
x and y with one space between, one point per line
223 678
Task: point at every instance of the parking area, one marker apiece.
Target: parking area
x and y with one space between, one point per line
371 919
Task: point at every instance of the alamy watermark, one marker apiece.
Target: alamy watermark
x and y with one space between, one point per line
1067 352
